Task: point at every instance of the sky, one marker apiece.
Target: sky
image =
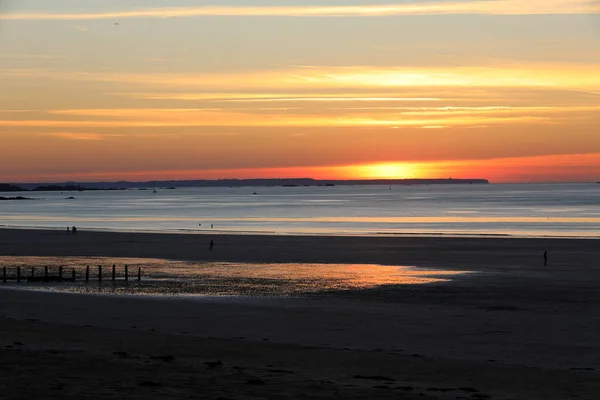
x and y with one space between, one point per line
95 90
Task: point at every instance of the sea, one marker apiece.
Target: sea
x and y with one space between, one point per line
523 210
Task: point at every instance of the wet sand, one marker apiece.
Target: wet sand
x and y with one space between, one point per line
515 329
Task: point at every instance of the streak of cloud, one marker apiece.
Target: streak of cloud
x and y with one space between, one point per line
129 118
573 76
270 97
77 136
499 7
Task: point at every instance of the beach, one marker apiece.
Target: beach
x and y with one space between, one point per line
512 328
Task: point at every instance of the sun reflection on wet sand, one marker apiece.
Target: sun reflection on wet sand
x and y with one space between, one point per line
166 277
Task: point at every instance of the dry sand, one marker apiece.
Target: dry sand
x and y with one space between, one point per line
516 329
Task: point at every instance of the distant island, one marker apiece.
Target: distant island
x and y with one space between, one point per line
291 182
2 198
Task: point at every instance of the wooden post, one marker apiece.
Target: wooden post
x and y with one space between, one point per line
4 274
73 275
32 273
139 274
60 273
113 273
99 273
87 273
126 272
18 274
46 273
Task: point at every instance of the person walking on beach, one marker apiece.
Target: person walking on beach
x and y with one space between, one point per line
212 244
545 258
74 230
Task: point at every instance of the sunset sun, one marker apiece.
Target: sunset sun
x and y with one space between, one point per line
390 170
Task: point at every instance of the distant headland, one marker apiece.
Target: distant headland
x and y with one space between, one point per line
173 184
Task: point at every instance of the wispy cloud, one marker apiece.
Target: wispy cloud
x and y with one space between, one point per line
323 96
282 97
183 113
77 135
498 7
375 115
574 76
369 98
127 118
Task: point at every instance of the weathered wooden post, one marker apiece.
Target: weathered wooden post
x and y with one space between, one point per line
87 273
18 274
73 272
32 273
139 274
46 273
4 274
60 273
126 272
113 273
99 273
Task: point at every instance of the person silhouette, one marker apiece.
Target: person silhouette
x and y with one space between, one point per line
212 244
545 258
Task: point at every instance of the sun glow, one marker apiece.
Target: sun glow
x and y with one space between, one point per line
390 170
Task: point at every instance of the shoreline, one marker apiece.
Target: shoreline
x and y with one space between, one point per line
472 253
308 234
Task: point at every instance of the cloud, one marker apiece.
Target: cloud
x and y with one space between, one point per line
322 116
498 7
77 135
281 97
366 98
123 118
200 113
326 96
574 76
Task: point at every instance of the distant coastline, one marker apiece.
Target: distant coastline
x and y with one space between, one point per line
2 198
173 184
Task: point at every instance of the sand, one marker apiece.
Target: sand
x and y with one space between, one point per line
513 329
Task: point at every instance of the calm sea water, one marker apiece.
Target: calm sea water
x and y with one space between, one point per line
564 210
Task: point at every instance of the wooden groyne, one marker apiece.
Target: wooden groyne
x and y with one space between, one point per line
67 274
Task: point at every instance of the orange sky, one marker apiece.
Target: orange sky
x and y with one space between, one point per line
506 90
